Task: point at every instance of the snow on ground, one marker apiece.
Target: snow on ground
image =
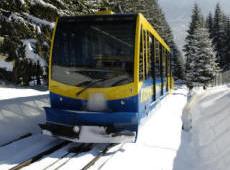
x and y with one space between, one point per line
159 140
14 93
161 145
156 148
15 153
20 112
210 131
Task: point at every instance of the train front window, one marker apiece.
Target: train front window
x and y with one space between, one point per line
100 53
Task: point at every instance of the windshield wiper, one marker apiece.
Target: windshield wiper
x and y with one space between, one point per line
119 81
90 85
83 82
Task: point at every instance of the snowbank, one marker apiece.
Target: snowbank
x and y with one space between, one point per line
20 112
210 133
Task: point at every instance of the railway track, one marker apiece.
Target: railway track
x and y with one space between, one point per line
94 160
72 152
39 156
63 155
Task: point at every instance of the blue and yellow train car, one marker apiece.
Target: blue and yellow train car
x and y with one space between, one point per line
106 72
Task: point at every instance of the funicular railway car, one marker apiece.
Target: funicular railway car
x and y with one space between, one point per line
106 72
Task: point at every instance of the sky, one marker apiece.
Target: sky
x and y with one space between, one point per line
178 14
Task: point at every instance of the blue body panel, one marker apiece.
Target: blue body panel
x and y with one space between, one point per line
124 105
123 114
91 118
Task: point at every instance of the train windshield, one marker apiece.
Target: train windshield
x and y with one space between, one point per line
95 53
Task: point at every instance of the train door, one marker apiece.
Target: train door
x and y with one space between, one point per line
163 69
144 70
152 63
145 67
164 74
167 71
157 69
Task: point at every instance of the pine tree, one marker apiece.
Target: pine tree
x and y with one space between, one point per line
197 22
227 45
178 66
189 47
219 35
203 65
209 24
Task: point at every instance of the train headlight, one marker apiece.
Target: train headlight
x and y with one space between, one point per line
97 102
46 132
76 129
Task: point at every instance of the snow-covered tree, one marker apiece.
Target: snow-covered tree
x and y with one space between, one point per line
202 65
178 65
218 34
189 47
196 22
209 24
227 45
33 20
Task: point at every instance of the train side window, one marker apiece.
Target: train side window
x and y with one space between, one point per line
157 60
141 62
167 70
162 75
145 53
152 56
148 56
163 62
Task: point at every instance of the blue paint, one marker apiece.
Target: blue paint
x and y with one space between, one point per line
122 114
124 105
90 118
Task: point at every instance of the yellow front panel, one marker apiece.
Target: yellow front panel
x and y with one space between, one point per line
110 93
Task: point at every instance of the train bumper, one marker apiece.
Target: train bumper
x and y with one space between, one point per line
91 127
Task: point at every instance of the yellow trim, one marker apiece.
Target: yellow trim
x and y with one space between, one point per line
51 50
147 25
147 93
136 55
110 93
146 55
143 52
149 53
105 12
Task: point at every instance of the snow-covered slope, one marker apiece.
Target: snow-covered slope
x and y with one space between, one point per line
20 112
208 147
